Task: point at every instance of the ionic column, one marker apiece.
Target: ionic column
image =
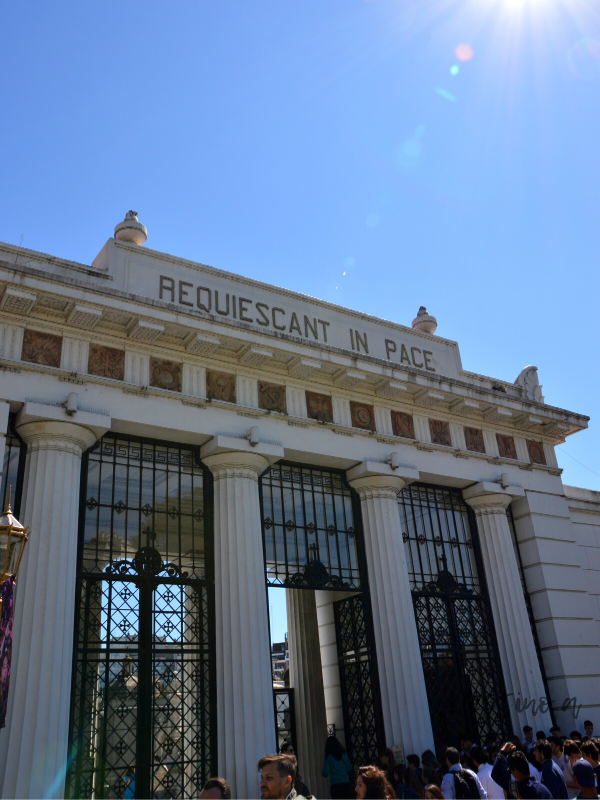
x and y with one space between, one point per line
403 694
520 666
306 678
245 715
33 747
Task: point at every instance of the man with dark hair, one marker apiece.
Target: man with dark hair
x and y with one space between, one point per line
413 763
588 727
483 768
215 789
590 752
555 731
576 736
511 772
528 733
459 782
539 736
586 780
572 756
465 745
277 775
552 776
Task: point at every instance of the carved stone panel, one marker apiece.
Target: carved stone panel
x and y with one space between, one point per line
107 362
319 406
474 440
536 452
272 397
165 374
362 415
220 386
440 432
42 348
506 446
403 425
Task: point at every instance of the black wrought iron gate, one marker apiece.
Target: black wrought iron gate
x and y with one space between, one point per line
142 718
312 538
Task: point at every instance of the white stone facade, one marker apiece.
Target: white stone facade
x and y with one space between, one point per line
132 310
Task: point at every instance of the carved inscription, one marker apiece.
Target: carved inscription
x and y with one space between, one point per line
506 446
272 397
165 374
107 362
474 440
319 407
440 432
403 425
220 386
362 415
41 348
536 452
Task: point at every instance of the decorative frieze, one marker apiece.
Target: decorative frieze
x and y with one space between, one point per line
403 425
165 374
474 440
272 397
107 362
42 348
506 446
439 430
362 415
536 452
220 386
319 407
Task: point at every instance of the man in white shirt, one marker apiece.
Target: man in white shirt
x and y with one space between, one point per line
453 764
484 772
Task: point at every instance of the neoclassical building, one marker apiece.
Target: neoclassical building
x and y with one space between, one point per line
179 439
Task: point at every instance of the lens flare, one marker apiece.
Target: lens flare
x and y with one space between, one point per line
584 59
454 70
445 94
464 52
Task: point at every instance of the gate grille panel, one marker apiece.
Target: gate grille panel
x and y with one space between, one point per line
465 687
357 681
143 677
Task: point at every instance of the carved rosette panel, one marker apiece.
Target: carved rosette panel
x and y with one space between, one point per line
440 432
272 397
403 425
474 440
42 348
506 446
220 386
319 406
165 374
536 452
362 415
107 362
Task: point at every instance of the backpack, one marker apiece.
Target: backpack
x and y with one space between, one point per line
465 786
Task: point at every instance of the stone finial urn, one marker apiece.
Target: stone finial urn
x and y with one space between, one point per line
424 321
131 230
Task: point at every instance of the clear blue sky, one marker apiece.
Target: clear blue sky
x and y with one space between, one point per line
293 140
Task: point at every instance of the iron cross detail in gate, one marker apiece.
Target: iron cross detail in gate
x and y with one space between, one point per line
150 536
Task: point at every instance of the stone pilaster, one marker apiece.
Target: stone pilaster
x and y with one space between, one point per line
306 678
403 694
33 747
245 716
520 666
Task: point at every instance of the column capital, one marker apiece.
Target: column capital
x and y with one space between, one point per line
487 497
377 479
53 435
236 464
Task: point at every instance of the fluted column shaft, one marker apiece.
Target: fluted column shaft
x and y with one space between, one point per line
306 678
403 693
520 665
245 716
33 748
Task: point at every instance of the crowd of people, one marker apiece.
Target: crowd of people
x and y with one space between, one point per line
545 767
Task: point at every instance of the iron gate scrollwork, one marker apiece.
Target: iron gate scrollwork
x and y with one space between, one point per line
464 682
142 716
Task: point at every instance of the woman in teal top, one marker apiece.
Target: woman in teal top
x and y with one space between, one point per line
337 767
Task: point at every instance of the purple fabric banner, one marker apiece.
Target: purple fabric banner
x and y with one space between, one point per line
6 635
